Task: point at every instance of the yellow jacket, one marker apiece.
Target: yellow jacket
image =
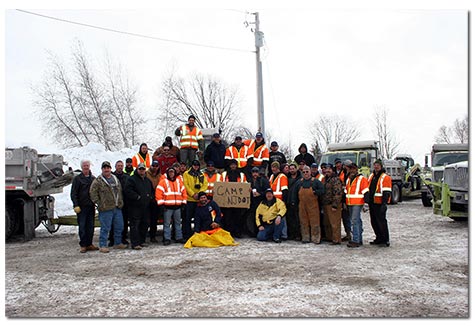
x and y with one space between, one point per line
267 214
190 181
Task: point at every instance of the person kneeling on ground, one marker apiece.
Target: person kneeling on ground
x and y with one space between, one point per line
208 232
269 215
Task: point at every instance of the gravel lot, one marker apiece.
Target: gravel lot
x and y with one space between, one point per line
425 273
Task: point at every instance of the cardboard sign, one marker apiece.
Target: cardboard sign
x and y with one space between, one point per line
232 194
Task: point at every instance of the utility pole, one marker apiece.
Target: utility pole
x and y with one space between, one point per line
259 42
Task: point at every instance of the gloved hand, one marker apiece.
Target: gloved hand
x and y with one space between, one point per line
365 207
77 209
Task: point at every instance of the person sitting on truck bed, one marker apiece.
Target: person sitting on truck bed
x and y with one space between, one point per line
83 206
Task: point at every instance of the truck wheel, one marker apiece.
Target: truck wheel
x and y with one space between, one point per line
11 224
395 194
426 201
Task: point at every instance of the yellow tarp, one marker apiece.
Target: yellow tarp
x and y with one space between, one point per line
211 239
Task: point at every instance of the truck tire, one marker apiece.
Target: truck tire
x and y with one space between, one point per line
11 223
426 201
395 194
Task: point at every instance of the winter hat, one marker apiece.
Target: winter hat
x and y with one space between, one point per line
195 162
128 160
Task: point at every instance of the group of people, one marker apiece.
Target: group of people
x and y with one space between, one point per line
289 201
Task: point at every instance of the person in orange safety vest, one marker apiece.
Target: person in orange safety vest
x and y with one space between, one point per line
260 153
357 198
238 151
191 141
380 187
142 156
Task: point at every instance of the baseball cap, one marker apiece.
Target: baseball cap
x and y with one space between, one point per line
216 135
238 138
195 162
255 169
275 164
129 160
210 163
274 143
259 134
269 190
347 162
337 160
155 163
141 166
233 161
105 164
314 165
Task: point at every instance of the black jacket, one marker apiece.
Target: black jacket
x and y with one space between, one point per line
215 152
204 218
139 192
80 190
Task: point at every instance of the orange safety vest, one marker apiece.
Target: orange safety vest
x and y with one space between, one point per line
137 159
224 177
170 193
260 153
211 181
278 185
321 177
189 139
384 184
241 157
355 190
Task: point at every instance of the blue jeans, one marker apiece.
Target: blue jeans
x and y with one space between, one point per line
356 223
86 225
168 214
270 230
284 227
107 219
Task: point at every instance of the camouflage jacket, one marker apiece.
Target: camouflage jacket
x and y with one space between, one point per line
333 191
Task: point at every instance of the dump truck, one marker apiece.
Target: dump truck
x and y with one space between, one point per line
441 155
364 153
30 180
413 178
451 194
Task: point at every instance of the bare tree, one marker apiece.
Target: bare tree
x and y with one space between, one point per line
332 129
457 133
388 144
77 107
214 104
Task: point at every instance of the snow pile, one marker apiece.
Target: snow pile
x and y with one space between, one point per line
97 154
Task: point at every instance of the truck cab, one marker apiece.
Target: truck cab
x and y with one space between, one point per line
441 155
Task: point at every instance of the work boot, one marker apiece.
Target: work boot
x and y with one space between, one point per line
91 247
137 247
347 237
104 249
352 244
82 250
120 246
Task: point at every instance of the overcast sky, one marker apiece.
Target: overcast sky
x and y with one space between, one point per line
316 61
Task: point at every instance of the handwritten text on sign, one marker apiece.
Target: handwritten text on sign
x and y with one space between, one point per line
232 194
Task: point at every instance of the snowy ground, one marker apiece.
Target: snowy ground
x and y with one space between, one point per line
425 273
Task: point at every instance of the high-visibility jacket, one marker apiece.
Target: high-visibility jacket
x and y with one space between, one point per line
224 177
170 193
137 159
191 181
189 138
211 180
355 190
240 156
259 154
279 184
384 184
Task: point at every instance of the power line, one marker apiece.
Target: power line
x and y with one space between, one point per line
135 34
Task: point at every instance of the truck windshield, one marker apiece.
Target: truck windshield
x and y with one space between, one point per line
330 157
440 159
